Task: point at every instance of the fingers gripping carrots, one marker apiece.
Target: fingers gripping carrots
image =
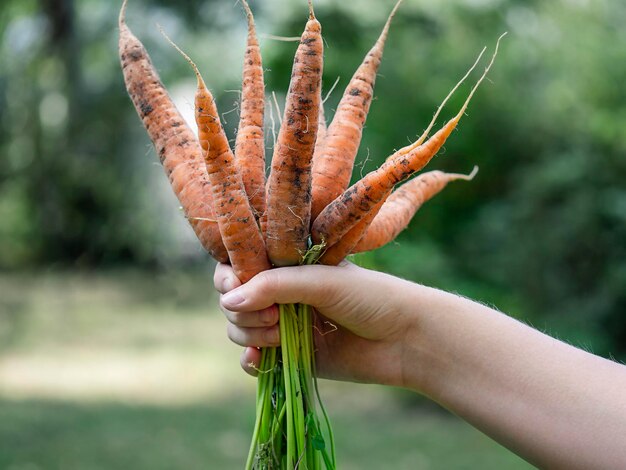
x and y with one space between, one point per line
174 141
250 144
289 185
399 208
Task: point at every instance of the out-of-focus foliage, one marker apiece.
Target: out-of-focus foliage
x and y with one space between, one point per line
541 232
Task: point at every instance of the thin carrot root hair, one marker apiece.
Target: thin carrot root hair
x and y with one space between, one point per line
424 135
122 16
461 176
183 53
332 88
278 111
247 9
457 118
273 37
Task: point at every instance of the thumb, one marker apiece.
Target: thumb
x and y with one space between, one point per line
318 286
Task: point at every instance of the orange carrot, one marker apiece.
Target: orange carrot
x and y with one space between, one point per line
336 253
401 206
235 217
250 142
332 171
289 185
349 208
174 141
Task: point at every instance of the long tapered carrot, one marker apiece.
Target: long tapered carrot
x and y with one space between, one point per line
289 185
391 215
174 141
332 171
336 253
250 142
235 217
348 209
399 208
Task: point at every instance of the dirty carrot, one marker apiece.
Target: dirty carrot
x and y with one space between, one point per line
399 208
289 185
174 141
250 143
336 253
347 244
235 217
350 207
332 171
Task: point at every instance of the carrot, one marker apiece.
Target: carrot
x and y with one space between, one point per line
401 206
235 217
391 215
349 208
332 171
336 253
174 141
250 142
289 185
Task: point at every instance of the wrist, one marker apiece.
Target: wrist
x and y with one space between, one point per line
423 348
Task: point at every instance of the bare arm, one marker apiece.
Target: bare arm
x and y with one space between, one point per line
554 405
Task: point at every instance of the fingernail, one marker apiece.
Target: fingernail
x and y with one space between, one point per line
232 299
272 336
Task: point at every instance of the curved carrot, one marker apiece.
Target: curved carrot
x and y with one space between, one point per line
240 232
349 208
174 141
336 253
289 185
332 171
250 142
399 208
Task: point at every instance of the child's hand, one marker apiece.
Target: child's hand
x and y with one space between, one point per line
361 324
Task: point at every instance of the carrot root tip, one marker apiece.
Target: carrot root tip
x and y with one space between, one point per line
122 17
473 173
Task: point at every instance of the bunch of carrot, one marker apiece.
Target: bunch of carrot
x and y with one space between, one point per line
304 213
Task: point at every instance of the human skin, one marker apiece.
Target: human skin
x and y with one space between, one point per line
553 404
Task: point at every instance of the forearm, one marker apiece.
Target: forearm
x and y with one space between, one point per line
555 405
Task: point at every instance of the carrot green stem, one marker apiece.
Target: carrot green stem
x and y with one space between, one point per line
287 432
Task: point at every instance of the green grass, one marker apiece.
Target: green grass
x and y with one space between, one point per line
127 370
60 435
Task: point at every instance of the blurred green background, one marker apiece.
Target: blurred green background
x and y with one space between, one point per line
112 352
